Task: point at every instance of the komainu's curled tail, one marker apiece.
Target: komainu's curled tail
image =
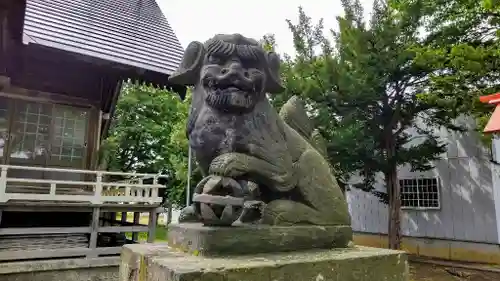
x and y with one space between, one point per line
322 200
294 114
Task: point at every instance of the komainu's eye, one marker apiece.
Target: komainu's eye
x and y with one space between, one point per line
214 59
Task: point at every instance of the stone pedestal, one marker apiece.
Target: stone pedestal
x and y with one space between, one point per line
197 239
304 253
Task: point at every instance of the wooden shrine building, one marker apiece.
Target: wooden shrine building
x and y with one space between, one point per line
62 63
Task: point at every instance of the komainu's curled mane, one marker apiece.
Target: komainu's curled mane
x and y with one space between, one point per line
235 132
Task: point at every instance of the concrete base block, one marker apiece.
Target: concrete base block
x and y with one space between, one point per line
160 262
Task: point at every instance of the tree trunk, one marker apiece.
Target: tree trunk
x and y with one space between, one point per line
394 192
394 210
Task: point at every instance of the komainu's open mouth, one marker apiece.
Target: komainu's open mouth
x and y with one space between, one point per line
230 97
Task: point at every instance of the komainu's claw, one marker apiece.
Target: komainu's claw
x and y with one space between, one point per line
188 214
228 165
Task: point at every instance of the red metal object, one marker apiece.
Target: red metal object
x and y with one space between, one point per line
491 99
493 125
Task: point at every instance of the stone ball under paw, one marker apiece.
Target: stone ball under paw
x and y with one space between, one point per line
218 201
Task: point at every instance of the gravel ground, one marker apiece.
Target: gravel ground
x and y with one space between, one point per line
429 272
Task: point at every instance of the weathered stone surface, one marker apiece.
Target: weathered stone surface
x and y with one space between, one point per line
235 133
133 259
348 264
197 239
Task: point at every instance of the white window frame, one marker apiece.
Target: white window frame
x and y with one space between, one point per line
421 208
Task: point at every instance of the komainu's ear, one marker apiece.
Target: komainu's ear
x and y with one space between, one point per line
273 85
189 69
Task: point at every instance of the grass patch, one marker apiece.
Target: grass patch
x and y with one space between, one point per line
160 233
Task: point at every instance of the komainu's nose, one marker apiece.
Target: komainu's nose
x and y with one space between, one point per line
233 70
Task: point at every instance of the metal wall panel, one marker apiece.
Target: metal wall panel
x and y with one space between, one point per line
466 195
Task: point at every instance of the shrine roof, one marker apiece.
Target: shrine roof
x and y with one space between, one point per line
129 32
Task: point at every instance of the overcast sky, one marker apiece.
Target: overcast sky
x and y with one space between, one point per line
201 19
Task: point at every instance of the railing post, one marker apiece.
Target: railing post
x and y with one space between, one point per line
52 189
154 192
141 189
127 191
98 189
3 183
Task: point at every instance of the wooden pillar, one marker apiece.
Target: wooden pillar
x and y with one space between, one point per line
11 34
112 217
94 228
124 218
153 215
135 235
3 39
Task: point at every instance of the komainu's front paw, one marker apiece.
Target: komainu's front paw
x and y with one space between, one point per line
228 165
188 214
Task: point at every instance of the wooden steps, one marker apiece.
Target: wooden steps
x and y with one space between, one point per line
43 241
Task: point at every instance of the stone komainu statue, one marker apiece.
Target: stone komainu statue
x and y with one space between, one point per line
235 133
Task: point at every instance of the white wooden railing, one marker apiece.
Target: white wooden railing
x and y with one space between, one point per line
99 190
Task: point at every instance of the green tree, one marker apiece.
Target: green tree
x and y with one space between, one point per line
366 92
179 158
147 135
462 42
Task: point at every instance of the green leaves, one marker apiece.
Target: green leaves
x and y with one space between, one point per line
368 88
462 46
148 136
